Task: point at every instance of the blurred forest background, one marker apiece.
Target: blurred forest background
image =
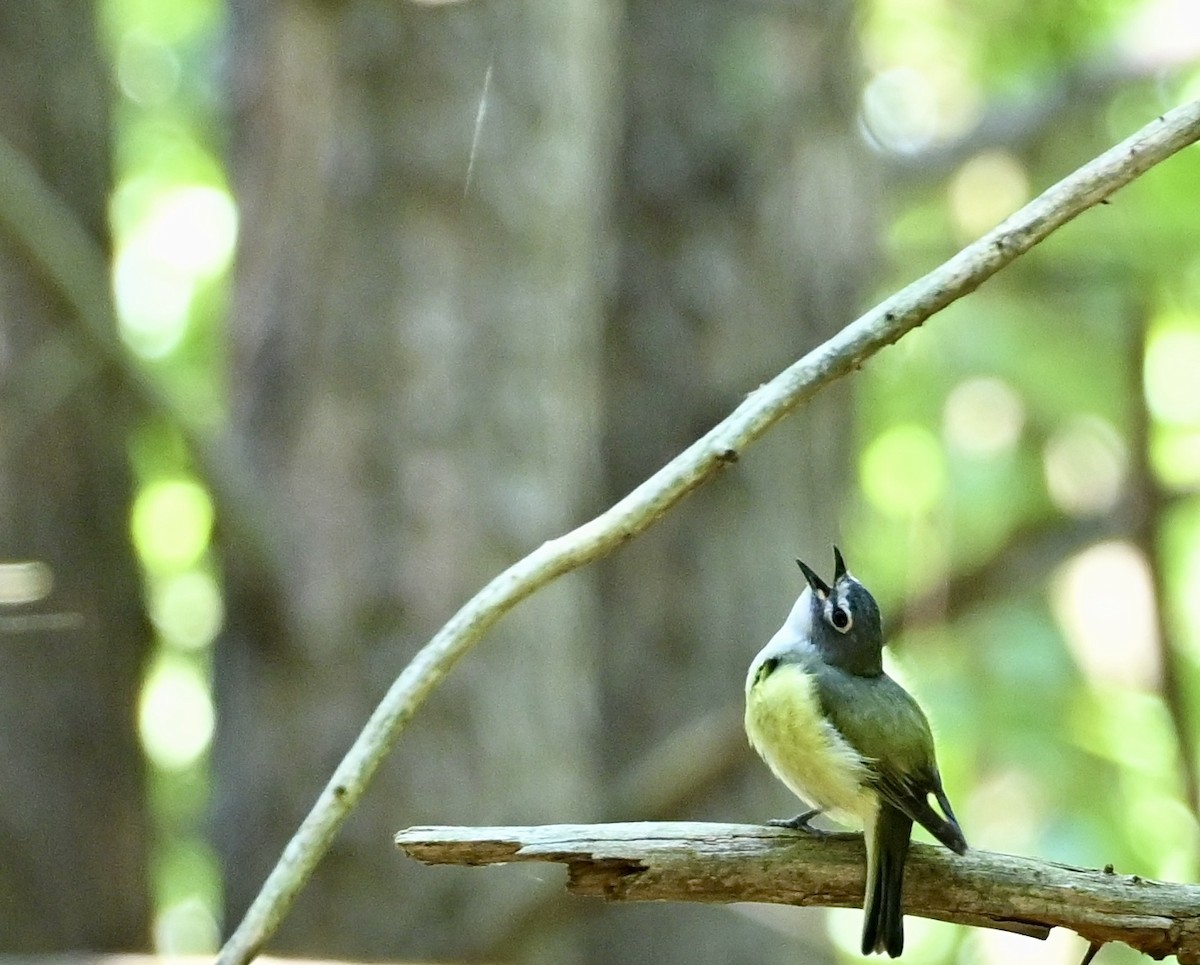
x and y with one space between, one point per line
314 314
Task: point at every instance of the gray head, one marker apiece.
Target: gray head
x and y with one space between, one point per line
843 621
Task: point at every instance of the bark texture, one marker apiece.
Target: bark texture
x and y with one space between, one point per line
746 239
729 862
432 375
73 636
747 235
415 379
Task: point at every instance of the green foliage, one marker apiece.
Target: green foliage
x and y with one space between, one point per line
174 226
1015 417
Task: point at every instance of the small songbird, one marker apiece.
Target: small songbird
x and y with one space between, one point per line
848 739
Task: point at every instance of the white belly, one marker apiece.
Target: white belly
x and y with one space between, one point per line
804 751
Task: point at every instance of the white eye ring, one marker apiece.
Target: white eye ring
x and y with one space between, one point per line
840 619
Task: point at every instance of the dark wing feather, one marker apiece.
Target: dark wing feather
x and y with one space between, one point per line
880 719
911 797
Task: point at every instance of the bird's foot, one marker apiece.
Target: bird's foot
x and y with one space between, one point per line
800 823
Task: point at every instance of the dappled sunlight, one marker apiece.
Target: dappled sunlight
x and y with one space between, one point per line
1175 455
186 927
172 523
920 93
899 110
1085 465
175 718
903 471
148 70
185 238
1162 32
1172 364
983 417
174 225
1104 601
187 889
187 609
985 191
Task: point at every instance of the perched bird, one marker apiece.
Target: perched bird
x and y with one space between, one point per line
848 739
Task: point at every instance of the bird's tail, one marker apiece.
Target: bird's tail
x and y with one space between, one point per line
883 911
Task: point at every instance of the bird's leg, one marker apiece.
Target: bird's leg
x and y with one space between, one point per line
800 823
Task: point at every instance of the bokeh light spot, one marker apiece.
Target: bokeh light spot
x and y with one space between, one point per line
1172 361
175 717
983 416
187 927
986 190
148 70
192 228
1085 464
903 471
25 581
172 522
186 609
1175 456
187 235
152 305
899 110
913 100
1104 601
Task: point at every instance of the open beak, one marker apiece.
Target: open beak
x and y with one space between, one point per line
815 582
839 565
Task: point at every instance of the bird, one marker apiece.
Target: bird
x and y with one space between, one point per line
848 740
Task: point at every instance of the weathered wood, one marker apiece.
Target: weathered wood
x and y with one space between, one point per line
677 861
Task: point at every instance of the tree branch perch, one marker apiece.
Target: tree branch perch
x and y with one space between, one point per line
645 505
682 861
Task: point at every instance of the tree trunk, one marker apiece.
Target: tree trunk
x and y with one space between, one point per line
415 368
73 854
747 238
417 360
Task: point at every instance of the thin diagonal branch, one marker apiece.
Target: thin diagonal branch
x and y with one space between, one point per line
683 861
645 505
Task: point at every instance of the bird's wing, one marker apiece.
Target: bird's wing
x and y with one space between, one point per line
881 721
912 798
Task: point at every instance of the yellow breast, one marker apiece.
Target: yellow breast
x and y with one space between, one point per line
785 726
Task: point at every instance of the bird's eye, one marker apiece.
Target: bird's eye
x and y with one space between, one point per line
840 618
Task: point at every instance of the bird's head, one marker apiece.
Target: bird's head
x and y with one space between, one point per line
843 620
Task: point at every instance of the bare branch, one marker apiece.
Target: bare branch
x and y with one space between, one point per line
678 861
646 504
